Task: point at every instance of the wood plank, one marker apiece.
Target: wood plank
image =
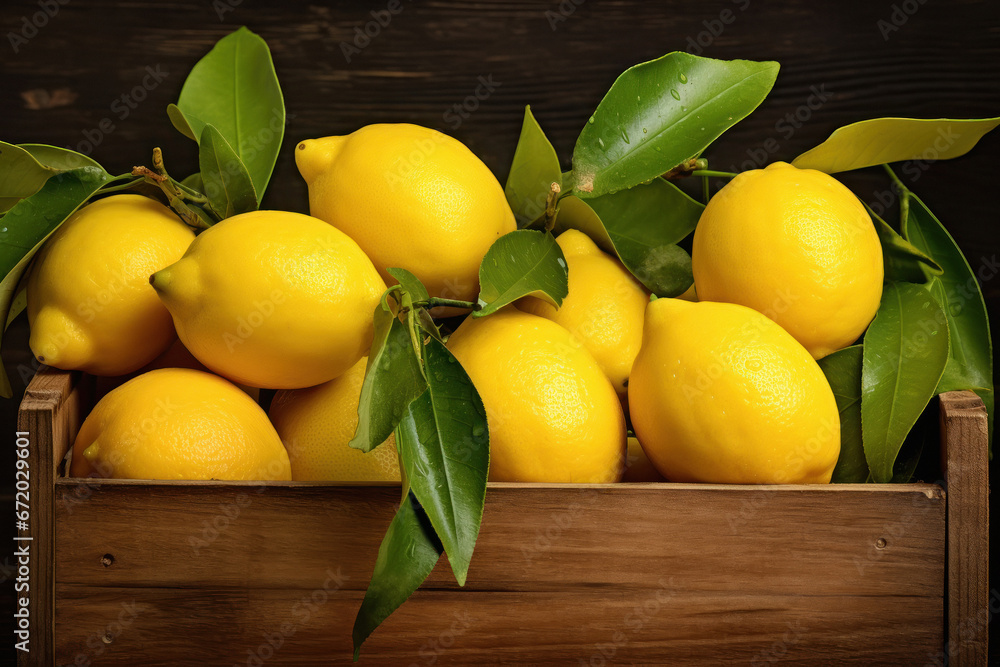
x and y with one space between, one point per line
48 417
965 461
780 540
128 626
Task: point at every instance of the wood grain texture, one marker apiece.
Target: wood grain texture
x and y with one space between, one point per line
966 467
559 569
170 626
49 417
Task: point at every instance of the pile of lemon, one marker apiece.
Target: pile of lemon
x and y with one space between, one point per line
721 385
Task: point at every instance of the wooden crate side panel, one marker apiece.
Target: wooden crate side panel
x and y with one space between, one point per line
965 460
745 560
125 626
533 537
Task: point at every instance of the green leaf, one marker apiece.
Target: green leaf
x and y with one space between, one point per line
883 140
224 176
410 284
843 372
30 222
21 175
180 121
443 442
392 380
17 305
905 352
520 263
195 182
408 553
62 159
534 170
235 89
970 358
902 261
660 113
642 226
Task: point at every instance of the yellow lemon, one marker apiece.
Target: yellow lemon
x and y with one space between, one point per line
315 424
178 423
273 299
90 306
720 393
638 467
604 307
796 245
553 414
411 197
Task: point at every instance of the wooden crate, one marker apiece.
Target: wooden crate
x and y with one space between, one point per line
144 573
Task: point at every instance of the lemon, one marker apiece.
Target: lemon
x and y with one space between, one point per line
720 393
90 306
178 423
411 197
796 245
273 299
315 424
604 307
638 467
553 415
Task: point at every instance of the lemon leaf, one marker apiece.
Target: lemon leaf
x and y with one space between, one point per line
905 352
62 159
662 112
17 305
642 226
180 122
30 222
224 177
843 372
534 169
408 553
520 263
392 380
21 175
883 140
443 442
902 261
410 283
957 289
234 87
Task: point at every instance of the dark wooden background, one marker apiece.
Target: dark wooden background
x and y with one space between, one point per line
917 58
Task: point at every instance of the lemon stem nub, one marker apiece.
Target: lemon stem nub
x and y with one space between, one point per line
159 280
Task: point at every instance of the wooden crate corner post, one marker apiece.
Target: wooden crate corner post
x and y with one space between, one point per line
965 462
50 412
